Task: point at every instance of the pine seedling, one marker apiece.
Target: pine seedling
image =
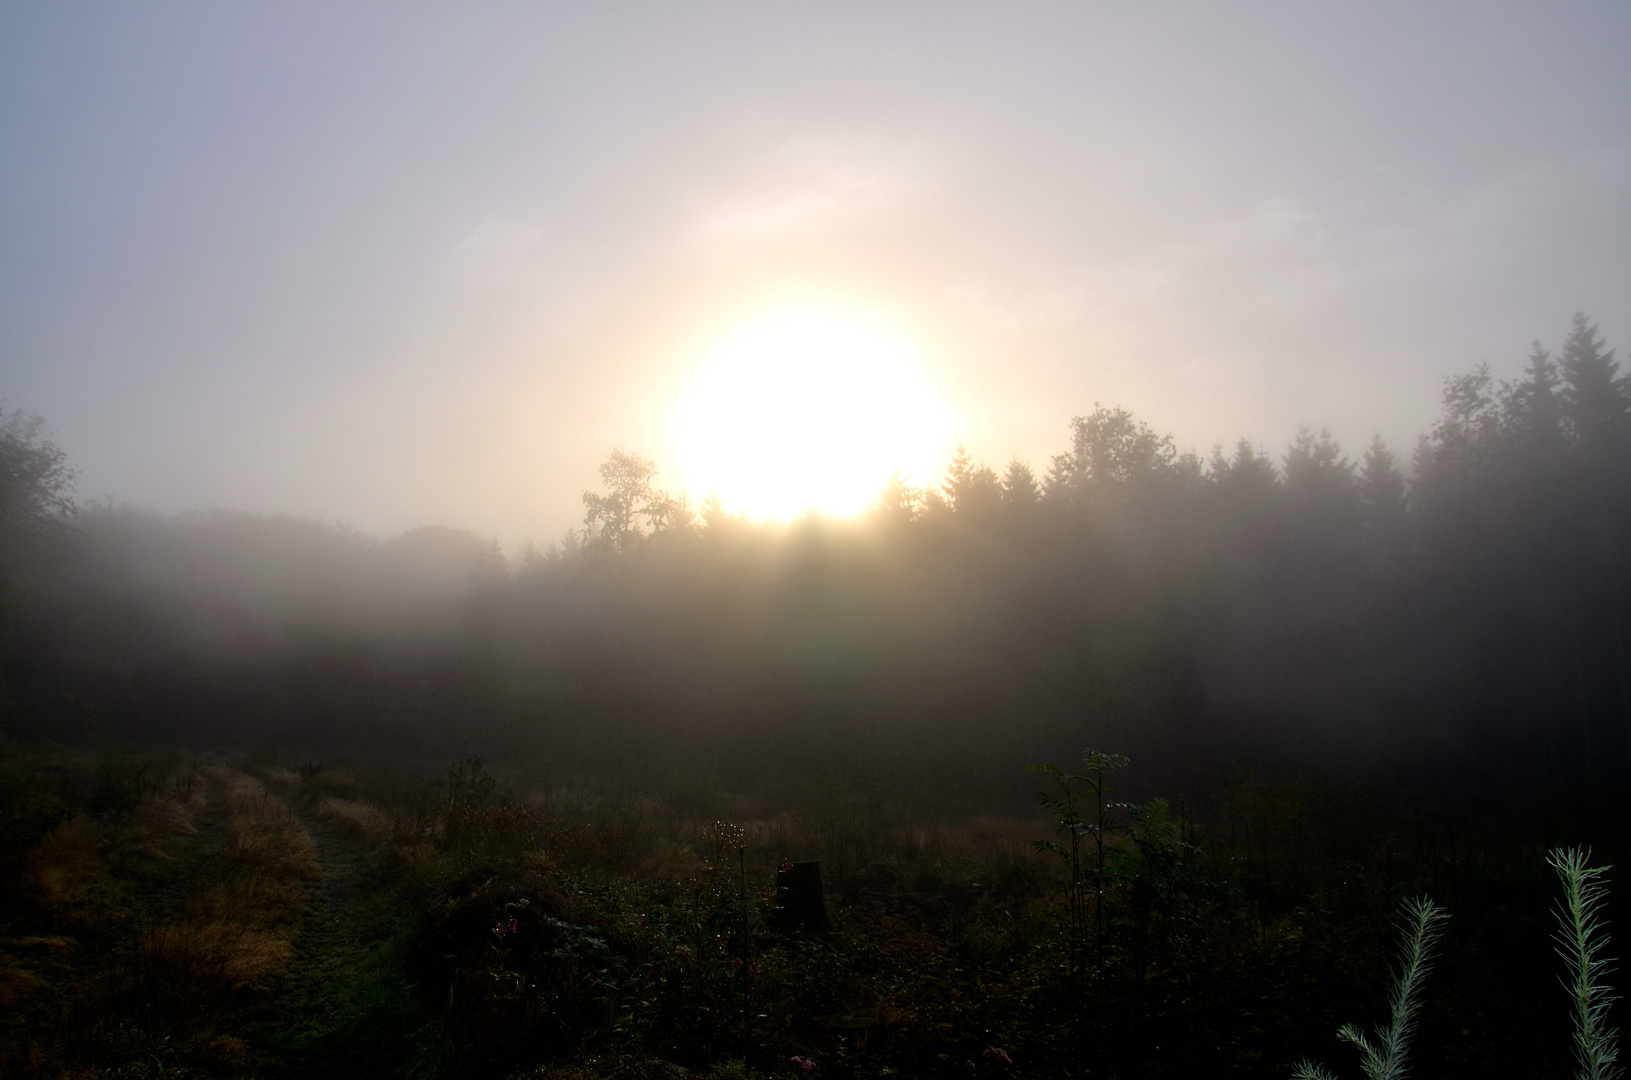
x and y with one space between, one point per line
1383 1054
1582 941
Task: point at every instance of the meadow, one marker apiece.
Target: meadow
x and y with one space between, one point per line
228 915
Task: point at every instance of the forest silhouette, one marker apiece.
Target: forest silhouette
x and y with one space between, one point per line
1465 628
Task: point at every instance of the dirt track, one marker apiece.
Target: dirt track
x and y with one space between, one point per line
344 977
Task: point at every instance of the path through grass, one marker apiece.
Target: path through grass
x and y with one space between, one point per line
345 1007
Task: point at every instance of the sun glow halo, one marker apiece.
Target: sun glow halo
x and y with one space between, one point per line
807 412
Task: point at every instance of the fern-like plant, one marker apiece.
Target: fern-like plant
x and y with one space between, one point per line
1383 1054
1582 941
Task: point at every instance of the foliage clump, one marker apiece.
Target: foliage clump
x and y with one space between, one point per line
514 966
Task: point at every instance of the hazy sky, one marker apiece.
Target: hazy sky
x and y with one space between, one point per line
393 265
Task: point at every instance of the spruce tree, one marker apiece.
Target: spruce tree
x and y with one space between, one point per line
969 488
1320 479
1019 487
1248 472
1381 486
1596 404
1535 410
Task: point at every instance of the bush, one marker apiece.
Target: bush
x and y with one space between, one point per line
518 970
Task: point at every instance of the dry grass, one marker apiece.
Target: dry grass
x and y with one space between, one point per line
72 872
262 835
282 777
69 877
364 821
97 992
236 935
211 956
164 816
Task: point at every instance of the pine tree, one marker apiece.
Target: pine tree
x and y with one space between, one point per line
970 489
1248 472
959 475
1595 400
1381 486
714 517
1019 487
1534 411
1320 478
1456 465
898 502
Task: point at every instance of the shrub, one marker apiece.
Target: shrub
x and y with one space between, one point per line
516 968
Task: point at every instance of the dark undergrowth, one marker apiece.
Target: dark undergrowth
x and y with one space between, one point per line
231 916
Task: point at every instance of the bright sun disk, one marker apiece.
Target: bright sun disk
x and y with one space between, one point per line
807 412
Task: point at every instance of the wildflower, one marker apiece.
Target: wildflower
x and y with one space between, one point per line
997 1053
766 891
804 1064
785 866
515 924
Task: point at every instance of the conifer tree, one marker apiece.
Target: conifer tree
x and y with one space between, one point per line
899 502
1595 400
1019 487
969 488
1320 479
1248 472
1061 479
1534 410
959 474
1381 486
714 517
1456 463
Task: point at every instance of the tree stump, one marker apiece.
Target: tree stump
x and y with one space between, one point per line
799 899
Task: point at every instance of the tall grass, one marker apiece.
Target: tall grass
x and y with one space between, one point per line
236 934
362 820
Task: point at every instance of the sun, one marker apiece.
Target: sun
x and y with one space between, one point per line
808 412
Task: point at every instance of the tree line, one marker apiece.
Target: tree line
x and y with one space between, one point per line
1462 620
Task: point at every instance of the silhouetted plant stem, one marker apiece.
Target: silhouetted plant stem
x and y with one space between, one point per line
1581 941
1383 1055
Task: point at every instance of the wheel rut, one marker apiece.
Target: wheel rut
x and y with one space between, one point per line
342 976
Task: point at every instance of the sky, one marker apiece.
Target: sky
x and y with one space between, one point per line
393 265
